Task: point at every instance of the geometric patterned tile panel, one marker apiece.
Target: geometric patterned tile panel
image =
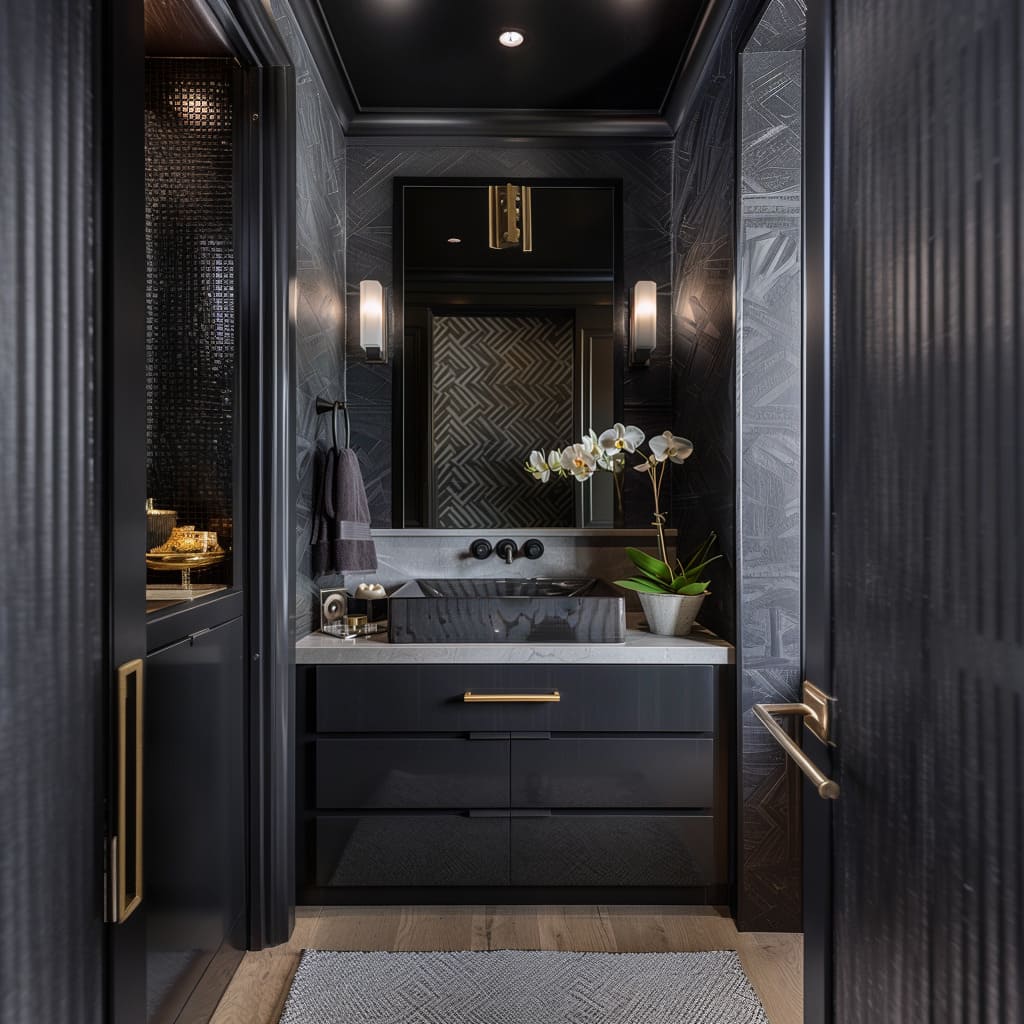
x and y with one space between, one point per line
501 386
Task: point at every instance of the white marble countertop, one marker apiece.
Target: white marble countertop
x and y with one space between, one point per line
640 648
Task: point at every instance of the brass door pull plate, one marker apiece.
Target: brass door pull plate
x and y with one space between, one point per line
816 712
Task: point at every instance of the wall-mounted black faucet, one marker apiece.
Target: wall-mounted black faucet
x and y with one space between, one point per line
506 548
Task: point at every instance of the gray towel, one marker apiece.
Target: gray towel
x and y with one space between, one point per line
341 539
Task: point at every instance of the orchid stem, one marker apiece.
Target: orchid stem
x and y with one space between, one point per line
659 519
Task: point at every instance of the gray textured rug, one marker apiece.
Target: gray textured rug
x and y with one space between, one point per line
507 986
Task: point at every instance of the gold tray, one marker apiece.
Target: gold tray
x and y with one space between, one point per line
175 561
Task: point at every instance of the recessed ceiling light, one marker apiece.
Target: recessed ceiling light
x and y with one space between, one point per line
511 37
454 241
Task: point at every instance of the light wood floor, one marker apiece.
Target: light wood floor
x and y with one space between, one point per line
773 961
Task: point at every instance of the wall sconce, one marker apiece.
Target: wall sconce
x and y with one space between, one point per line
510 217
373 339
643 322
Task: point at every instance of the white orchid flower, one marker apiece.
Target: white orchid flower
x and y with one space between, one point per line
668 446
576 459
621 439
605 460
538 467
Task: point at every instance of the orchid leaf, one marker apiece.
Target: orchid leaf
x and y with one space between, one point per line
653 567
691 572
701 553
641 586
692 589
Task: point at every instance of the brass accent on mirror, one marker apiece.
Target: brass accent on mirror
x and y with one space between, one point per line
510 217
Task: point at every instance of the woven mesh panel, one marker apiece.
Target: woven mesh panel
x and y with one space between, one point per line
191 344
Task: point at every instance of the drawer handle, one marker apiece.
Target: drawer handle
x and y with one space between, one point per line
511 698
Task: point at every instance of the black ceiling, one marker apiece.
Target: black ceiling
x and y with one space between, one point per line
597 57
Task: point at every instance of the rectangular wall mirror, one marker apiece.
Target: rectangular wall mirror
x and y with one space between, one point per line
503 350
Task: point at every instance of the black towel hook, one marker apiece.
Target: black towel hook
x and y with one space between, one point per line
322 406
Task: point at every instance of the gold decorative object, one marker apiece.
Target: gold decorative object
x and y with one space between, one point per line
184 550
159 523
510 217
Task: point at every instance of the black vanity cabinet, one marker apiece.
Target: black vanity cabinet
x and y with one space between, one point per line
409 783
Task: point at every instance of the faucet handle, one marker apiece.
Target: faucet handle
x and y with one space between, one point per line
507 549
481 549
533 548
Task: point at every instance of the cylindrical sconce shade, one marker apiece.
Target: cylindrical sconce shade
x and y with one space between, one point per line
372 322
643 321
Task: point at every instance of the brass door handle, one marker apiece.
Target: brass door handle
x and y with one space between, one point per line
511 698
815 711
126 844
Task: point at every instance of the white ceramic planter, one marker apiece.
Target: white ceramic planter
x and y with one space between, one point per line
670 614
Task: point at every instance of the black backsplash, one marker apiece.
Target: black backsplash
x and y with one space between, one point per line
191 344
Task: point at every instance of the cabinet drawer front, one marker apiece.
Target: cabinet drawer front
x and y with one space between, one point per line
595 698
614 849
613 771
411 773
412 849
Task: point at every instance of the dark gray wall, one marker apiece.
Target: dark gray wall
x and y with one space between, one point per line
320 220
646 173
769 470
928 502
760 572
367 229
51 632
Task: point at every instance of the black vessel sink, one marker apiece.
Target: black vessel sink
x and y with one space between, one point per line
502 611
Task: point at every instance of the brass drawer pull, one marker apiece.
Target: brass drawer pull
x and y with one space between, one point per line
511 698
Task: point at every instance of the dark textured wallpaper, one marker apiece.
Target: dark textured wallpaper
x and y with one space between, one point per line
320 286
490 408
761 572
770 353
645 170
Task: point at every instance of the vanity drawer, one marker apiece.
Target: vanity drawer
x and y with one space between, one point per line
412 849
594 698
613 850
613 771
403 772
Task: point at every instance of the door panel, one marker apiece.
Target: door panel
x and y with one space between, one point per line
122 399
195 813
928 501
